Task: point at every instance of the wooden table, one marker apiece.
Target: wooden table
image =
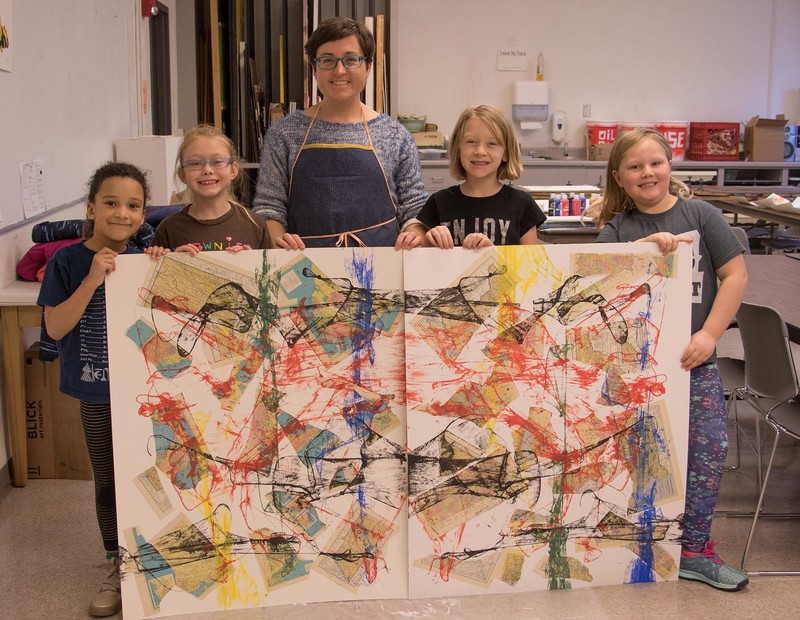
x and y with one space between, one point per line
774 280
19 310
773 216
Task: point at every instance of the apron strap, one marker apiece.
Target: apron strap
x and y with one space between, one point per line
342 238
300 150
371 146
385 178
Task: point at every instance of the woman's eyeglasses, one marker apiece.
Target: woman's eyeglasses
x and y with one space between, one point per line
352 61
198 164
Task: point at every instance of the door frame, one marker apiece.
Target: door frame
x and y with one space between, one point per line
139 68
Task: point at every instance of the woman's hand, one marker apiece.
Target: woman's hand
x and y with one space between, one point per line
667 242
289 241
156 251
473 241
440 237
408 240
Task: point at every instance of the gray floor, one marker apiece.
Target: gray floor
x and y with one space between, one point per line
50 561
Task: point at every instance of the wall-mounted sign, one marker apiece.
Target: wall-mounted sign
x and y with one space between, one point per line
512 59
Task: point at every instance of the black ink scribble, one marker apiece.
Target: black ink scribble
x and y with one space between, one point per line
229 305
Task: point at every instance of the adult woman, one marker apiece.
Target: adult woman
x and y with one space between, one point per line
339 173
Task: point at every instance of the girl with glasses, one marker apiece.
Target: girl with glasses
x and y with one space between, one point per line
213 219
339 173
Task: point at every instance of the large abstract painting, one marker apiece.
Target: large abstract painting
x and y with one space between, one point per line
547 416
259 428
341 424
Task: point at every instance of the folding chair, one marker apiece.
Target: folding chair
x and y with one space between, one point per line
741 235
786 240
772 388
731 370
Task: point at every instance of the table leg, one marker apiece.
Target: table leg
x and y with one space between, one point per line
14 388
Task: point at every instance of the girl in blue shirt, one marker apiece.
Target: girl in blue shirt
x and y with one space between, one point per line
73 297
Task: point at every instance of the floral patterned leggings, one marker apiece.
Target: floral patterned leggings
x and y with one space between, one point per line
708 448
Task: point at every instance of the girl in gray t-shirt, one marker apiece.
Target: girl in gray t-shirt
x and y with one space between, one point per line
644 203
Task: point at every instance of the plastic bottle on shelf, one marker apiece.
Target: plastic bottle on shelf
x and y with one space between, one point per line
551 205
574 204
557 205
564 204
594 198
582 198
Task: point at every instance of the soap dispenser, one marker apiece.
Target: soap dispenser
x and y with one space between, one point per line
558 126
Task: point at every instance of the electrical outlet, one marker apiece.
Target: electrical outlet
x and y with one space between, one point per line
587 110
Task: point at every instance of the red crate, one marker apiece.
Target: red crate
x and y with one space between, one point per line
714 141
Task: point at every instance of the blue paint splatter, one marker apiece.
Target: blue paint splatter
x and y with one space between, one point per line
358 416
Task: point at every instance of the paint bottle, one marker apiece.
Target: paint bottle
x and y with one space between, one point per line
574 204
556 205
551 205
582 198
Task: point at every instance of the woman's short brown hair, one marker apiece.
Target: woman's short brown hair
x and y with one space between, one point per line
336 28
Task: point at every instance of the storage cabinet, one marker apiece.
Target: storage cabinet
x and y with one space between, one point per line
436 175
156 155
760 176
552 175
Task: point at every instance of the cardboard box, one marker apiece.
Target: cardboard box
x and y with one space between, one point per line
433 139
38 421
55 442
763 138
156 154
598 152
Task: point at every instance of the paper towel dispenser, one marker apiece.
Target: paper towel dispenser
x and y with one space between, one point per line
529 104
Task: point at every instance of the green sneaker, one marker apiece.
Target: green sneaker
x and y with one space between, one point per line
709 568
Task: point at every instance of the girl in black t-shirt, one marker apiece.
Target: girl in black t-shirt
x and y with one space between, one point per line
482 211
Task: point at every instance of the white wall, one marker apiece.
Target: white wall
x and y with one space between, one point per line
692 60
68 96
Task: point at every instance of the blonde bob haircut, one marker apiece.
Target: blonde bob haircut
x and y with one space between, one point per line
615 199
500 126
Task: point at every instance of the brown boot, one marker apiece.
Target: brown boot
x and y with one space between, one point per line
107 601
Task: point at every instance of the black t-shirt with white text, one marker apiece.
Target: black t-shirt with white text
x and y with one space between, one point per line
504 217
